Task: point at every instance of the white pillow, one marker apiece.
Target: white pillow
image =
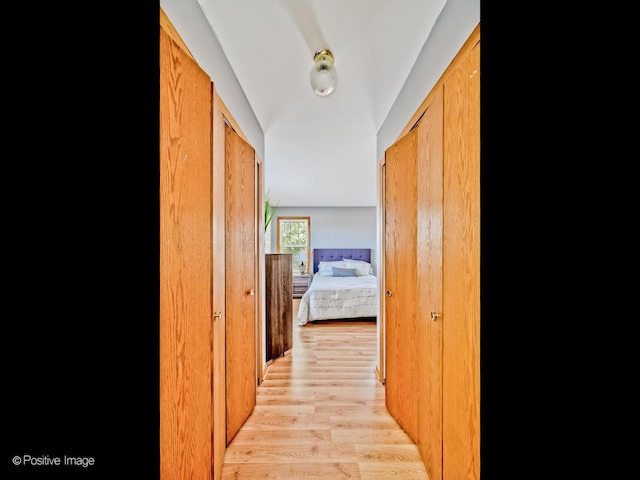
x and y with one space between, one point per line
364 268
325 269
360 268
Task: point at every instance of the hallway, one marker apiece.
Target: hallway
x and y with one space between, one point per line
320 414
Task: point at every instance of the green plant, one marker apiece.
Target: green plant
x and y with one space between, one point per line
269 210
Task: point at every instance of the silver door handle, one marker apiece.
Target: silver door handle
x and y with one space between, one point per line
388 293
434 315
218 314
251 292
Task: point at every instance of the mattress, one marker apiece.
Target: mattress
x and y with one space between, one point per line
332 298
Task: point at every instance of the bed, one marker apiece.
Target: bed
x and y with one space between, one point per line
343 287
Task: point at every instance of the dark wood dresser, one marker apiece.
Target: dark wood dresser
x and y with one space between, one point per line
279 304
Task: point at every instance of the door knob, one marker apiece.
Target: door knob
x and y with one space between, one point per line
434 315
218 314
388 293
252 292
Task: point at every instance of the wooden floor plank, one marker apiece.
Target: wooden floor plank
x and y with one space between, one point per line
320 414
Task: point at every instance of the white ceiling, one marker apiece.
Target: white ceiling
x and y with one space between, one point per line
321 151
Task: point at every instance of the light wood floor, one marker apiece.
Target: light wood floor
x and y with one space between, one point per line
321 414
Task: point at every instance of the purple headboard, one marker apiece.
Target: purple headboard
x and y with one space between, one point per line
336 254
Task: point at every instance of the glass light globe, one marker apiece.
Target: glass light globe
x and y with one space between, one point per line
323 76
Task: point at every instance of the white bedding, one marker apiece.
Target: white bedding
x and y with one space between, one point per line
331 298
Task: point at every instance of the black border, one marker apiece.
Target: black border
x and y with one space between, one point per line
82 243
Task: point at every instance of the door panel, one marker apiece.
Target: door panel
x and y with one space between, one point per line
219 291
400 280
241 250
461 271
382 321
430 158
185 265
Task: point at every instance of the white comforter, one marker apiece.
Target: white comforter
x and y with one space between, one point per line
339 297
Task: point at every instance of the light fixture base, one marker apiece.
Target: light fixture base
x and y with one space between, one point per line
324 54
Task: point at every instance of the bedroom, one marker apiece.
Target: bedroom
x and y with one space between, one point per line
350 227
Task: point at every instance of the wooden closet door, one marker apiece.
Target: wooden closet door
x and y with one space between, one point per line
401 382
461 271
430 164
241 254
185 265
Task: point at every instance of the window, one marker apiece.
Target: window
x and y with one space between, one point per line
293 238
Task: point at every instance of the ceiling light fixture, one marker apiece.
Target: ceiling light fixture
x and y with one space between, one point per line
323 74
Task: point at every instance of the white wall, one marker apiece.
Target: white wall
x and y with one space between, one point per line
333 182
334 227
